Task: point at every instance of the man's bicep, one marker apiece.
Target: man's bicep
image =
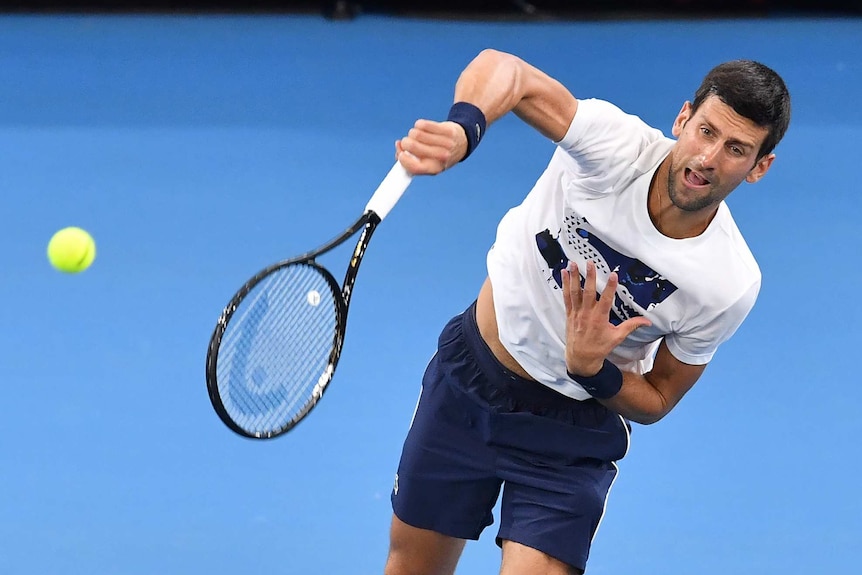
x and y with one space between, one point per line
548 106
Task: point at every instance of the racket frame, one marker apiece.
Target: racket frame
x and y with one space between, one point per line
382 201
368 223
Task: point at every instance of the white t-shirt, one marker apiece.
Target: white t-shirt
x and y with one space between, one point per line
591 203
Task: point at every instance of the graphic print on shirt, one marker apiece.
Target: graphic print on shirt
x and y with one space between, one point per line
638 283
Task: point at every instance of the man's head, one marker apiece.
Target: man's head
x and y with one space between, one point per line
726 136
754 91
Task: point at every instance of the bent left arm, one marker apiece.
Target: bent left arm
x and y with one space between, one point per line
649 397
590 337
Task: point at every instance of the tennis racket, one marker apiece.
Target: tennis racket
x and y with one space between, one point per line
276 344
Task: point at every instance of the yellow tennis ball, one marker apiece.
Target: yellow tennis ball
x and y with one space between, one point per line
71 250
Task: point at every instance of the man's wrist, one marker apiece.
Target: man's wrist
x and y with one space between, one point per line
472 120
604 384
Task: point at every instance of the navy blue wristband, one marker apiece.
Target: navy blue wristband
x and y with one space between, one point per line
472 120
603 385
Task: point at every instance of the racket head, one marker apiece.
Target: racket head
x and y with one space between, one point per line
275 348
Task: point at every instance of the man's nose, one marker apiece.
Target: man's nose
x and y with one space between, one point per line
710 154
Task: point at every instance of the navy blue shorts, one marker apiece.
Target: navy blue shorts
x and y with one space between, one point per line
478 428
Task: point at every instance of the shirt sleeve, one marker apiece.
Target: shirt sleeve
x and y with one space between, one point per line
697 346
603 141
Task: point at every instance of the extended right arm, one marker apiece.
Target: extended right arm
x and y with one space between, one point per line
496 83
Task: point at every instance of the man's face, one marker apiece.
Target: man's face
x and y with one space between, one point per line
716 150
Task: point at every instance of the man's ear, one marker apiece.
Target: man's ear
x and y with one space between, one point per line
681 119
760 168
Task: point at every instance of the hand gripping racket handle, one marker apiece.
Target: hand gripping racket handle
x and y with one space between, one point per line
389 191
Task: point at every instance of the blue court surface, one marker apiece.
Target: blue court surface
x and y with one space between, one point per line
198 149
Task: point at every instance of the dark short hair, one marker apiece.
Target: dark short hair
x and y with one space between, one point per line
754 91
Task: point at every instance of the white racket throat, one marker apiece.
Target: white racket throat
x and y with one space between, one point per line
389 191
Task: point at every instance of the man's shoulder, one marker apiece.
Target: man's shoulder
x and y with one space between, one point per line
734 244
599 110
602 133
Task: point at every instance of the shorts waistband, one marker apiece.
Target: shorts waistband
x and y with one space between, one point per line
503 381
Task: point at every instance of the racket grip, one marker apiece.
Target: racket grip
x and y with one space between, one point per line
389 191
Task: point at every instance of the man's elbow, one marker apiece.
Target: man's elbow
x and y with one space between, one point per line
647 418
647 414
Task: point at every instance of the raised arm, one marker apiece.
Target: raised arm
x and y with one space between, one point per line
496 83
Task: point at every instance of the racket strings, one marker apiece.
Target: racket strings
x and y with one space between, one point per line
277 348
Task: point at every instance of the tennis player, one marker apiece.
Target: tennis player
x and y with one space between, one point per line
609 290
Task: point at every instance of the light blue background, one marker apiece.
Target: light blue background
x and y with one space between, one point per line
198 149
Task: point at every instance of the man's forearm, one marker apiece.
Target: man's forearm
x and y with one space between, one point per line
638 400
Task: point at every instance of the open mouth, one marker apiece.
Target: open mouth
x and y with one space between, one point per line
694 179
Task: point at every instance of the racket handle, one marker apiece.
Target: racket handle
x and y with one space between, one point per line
389 191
